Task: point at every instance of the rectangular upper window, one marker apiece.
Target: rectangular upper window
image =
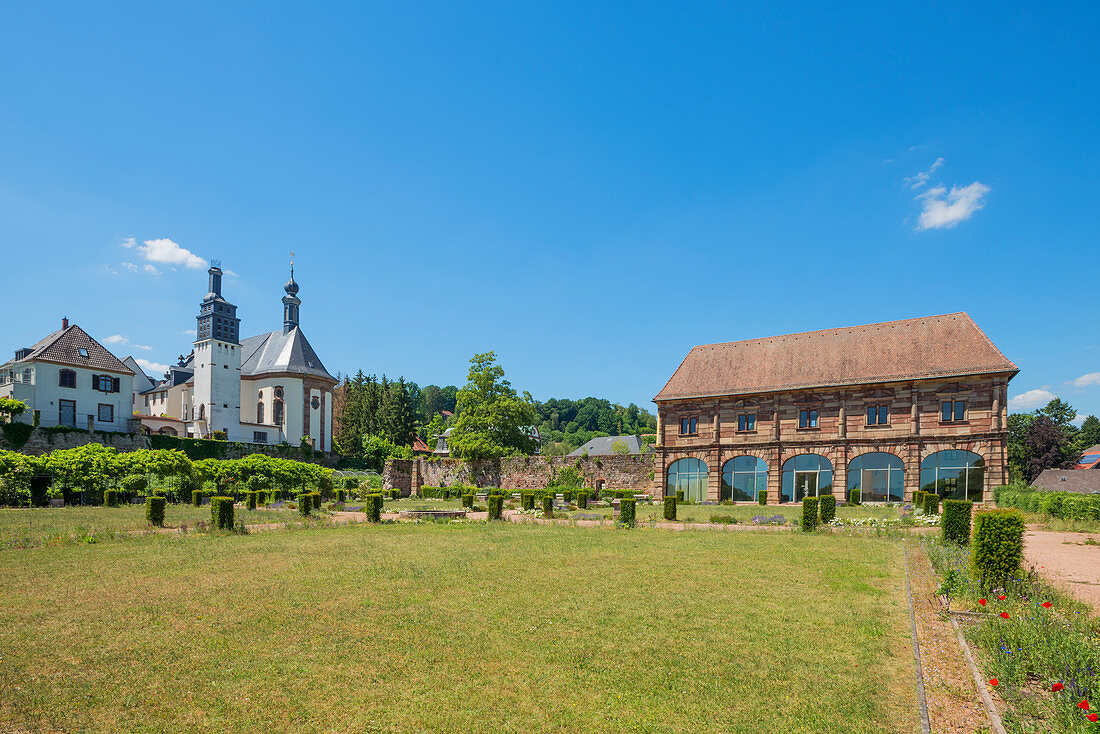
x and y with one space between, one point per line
746 422
66 378
953 410
106 413
689 426
878 415
807 419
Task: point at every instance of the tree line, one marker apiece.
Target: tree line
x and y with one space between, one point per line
1048 439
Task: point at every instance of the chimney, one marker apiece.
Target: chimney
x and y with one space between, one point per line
64 322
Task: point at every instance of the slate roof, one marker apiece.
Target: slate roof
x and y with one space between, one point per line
63 347
950 345
1069 480
602 446
177 375
281 352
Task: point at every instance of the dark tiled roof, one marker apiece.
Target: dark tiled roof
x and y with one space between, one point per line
951 345
64 347
281 352
602 446
1082 481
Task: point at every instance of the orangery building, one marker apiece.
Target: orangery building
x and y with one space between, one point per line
880 410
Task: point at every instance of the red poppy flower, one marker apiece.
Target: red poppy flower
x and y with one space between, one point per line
982 602
1057 687
1093 717
1004 615
1046 605
1084 705
1002 597
994 682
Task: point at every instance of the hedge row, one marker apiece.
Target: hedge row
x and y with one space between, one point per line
1062 505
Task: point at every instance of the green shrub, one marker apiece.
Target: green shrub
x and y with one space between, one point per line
305 503
134 483
316 496
221 513
680 496
196 497
670 508
956 521
582 500
250 499
1075 507
154 510
827 504
931 504
567 495
527 500
627 511
341 495
467 500
761 496
548 505
918 500
110 497
373 508
998 546
723 519
496 505
809 514
853 497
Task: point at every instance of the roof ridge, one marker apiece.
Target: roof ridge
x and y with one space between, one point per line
839 328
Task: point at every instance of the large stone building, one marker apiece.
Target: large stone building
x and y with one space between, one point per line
882 409
270 388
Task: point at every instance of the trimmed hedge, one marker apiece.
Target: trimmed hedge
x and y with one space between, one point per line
373 507
548 505
110 497
154 510
680 496
853 497
827 504
221 513
496 505
998 546
250 499
527 500
956 521
341 495
918 500
762 496
931 504
627 512
582 500
467 500
1061 505
809 514
670 508
305 503
196 497
316 496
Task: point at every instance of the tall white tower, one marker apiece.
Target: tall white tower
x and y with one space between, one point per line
218 362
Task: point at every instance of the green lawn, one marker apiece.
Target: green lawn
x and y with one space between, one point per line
458 627
29 528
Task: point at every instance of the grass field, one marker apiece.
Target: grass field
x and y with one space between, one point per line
475 628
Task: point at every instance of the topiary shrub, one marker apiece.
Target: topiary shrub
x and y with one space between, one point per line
853 497
221 513
305 503
110 497
373 508
582 500
680 496
627 512
931 504
250 499
998 546
670 508
827 504
196 497
467 500
395 494
762 496
548 505
527 500
316 496
496 506
341 495
154 510
956 521
809 514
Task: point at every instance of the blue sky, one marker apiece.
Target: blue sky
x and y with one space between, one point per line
589 189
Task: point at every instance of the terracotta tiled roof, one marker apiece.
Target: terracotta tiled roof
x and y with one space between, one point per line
951 345
63 347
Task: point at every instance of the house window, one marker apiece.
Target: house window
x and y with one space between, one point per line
953 410
105 383
66 378
746 422
277 412
106 413
689 426
688 476
259 437
807 419
83 352
146 401
742 478
878 415
260 413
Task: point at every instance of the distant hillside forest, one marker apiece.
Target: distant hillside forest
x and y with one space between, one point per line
376 417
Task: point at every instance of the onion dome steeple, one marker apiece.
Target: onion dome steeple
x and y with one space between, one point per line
291 302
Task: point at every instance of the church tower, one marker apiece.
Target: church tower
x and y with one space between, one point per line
217 395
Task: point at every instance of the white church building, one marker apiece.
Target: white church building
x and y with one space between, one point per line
262 389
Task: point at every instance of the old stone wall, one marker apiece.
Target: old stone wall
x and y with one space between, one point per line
520 472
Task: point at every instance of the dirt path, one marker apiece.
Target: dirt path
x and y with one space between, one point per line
1069 559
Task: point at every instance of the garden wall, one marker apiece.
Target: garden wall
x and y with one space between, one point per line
519 472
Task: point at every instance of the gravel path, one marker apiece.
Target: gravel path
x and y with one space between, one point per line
1071 560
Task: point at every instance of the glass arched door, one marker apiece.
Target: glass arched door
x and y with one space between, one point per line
689 475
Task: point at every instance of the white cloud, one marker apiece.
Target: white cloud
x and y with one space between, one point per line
1092 378
151 269
128 242
110 270
161 251
1031 399
152 368
130 266
1079 419
923 177
119 339
190 332
943 209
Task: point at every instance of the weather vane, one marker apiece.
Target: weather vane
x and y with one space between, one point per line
292 261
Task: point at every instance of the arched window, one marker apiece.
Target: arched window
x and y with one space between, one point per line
808 475
877 477
954 475
690 475
259 412
277 412
742 478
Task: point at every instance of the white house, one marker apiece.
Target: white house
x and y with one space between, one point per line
70 379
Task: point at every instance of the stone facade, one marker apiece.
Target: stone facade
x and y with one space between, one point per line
520 472
913 431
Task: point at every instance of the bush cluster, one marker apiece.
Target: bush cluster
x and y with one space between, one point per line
154 509
670 508
827 503
1061 505
221 513
496 506
956 521
627 511
809 514
998 546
